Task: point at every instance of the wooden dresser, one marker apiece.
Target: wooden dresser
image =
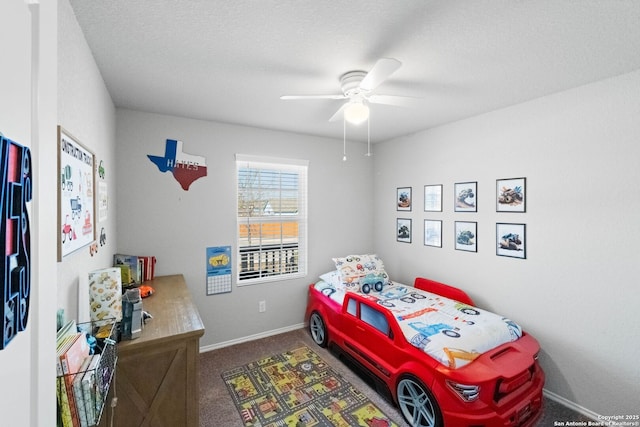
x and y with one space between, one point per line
157 374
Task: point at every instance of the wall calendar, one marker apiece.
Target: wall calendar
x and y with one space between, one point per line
218 270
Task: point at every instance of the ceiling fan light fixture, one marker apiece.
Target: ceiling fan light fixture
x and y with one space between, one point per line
356 112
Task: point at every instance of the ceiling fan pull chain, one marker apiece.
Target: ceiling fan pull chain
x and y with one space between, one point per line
344 139
368 137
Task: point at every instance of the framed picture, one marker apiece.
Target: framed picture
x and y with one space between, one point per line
403 230
511 240
511 195
403 199
76 195
466 234
433 198
433 233
465 196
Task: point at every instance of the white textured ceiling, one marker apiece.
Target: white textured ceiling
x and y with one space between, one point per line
230 60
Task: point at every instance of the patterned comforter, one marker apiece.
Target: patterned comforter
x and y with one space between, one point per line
451 332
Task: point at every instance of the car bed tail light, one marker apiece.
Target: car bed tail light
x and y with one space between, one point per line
468 393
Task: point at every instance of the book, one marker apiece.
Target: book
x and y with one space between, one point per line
77 348
71 360
132 262
69 329
61 388
65 344
63 402
81 404
93 404
125 274
105 294
140 277
148 267
64 338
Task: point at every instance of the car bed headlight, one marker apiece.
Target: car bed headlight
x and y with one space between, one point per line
468 393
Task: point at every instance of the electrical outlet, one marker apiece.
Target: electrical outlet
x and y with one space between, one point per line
262 306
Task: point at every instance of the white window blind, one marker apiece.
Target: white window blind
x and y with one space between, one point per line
272 219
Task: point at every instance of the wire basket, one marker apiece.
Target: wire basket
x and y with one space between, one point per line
86 390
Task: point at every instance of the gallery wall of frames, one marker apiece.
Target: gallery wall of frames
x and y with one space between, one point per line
510 197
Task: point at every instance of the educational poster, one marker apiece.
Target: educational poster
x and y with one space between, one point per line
218 270
76 188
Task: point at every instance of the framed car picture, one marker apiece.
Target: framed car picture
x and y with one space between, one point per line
403 199
511 240
403 230
433 233
511 195
466 234
465 196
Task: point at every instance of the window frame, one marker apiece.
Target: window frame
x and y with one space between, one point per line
300 168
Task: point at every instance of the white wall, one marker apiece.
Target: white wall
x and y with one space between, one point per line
86 111
577 291
156 217
26 371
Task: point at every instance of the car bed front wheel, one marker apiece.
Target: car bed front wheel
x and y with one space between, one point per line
318 329
417 404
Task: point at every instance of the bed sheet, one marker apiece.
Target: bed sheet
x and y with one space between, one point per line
453 333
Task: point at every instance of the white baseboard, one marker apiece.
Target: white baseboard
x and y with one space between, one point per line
251 337
572 405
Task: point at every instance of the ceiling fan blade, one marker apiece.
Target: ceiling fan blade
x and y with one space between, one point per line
340 113
383 68
295 97
399 101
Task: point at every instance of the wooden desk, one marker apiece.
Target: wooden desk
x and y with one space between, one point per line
157 374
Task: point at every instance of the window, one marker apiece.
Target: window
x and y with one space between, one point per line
374 318
352 307
272 219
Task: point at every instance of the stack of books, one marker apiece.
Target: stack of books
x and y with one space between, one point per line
79 394
135 268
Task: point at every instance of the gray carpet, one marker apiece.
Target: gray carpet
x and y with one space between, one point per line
217 408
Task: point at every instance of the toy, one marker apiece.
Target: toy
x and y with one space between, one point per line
432 354
372 280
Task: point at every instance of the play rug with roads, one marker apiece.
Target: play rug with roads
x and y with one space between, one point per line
298 389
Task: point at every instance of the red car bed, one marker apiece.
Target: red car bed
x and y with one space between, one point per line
442 360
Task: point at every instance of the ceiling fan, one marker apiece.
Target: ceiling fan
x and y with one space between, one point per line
358 87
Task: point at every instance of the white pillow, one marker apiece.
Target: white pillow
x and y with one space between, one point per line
355 268
332 278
